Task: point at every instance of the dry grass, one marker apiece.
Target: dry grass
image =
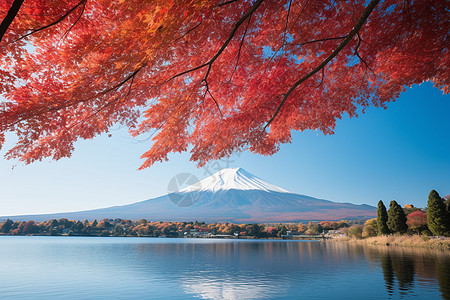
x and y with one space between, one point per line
441 243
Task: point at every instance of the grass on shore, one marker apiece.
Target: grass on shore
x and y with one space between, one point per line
416 241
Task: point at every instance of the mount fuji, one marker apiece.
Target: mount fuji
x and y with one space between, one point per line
232 195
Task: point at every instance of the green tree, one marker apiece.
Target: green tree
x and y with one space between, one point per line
7 226
437 216
355 231
281 230
232 228
396 218
53 223
118 230
77 227
382 218
408 210
370 228
65 223
253 230
170 230
314 229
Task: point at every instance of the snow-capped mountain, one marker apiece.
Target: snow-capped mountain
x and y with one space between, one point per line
232 195
232 179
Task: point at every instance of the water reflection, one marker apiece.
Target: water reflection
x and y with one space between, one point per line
443 273
400 267
266 269
124 268
231 288
406 268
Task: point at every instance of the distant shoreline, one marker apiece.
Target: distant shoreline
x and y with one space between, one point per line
228 237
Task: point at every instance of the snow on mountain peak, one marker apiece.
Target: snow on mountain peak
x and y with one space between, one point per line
232 179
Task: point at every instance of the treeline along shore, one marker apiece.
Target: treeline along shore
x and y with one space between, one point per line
357 231
144 228
407 226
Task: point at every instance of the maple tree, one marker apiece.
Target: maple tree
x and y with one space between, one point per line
209 77
417 221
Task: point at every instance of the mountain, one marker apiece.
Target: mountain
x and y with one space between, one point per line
232 195
232 179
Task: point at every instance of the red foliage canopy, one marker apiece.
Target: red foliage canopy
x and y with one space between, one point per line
416 220
211 77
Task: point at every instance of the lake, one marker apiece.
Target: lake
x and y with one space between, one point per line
163 268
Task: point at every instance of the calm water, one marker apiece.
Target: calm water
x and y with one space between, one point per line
152 268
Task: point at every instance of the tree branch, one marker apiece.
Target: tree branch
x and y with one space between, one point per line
131 76
227 2
82 2
188 31
235 28
357 53
12 13
287 22
301 11
76 21
222 48
240 48
199 23
365 14
212 97
209 63
321 79
319 40
284 35
25 116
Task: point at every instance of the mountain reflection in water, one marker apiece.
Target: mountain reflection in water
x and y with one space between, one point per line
152 268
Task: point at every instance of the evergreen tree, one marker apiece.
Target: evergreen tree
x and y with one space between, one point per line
7 226
396 218
382 218
281 230
437 216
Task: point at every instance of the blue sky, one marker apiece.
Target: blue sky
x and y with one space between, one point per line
396 154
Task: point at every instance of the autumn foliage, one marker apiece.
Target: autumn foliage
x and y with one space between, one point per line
417 221
143 227
209 77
